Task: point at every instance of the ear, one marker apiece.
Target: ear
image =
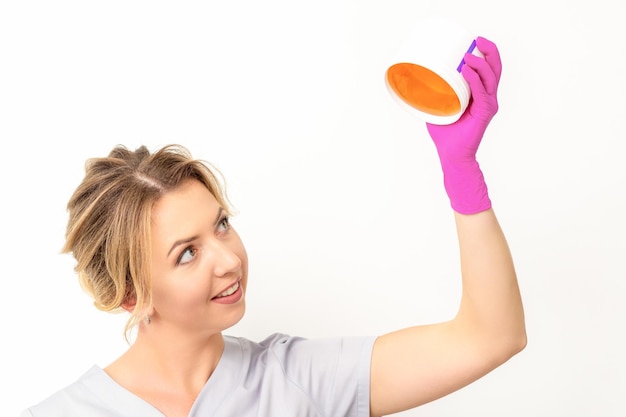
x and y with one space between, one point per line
129 305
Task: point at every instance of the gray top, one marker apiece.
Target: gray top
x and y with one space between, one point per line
280 376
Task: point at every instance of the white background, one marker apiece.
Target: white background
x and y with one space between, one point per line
339 192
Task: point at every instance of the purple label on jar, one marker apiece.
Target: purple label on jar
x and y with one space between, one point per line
471 48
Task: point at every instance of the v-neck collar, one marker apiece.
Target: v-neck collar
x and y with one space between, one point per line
225 379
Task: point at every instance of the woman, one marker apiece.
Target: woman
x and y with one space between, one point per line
150 235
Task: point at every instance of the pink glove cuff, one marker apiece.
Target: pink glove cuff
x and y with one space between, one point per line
466 187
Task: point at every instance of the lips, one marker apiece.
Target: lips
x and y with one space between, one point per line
228 291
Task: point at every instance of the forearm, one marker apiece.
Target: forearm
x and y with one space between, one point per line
491 308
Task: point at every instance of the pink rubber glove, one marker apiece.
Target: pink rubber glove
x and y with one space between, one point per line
457 143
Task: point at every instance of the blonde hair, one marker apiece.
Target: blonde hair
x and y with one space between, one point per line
108 231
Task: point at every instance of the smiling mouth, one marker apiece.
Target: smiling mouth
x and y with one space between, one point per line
229 291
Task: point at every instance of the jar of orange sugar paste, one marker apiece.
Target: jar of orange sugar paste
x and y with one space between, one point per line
424 75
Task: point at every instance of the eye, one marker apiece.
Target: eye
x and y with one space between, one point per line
186 255
224 224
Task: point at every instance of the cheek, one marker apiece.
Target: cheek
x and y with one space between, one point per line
180 293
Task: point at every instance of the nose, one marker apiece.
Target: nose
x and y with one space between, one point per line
226 260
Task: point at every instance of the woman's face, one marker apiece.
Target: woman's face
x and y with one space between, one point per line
199 264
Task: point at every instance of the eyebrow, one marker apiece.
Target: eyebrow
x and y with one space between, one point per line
192 238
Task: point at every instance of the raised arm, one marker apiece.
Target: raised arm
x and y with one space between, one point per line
419 364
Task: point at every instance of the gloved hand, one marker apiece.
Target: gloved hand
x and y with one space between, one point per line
458 142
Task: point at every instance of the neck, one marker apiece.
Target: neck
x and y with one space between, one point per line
168 359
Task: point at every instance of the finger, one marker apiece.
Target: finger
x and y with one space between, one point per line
480 105
492 55
487 77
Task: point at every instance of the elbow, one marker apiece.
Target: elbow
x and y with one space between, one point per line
512 344
501 351
511 337
517 345
520 342
498 343
501 345
518 337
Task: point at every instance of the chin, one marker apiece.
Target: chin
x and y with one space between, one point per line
236 316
